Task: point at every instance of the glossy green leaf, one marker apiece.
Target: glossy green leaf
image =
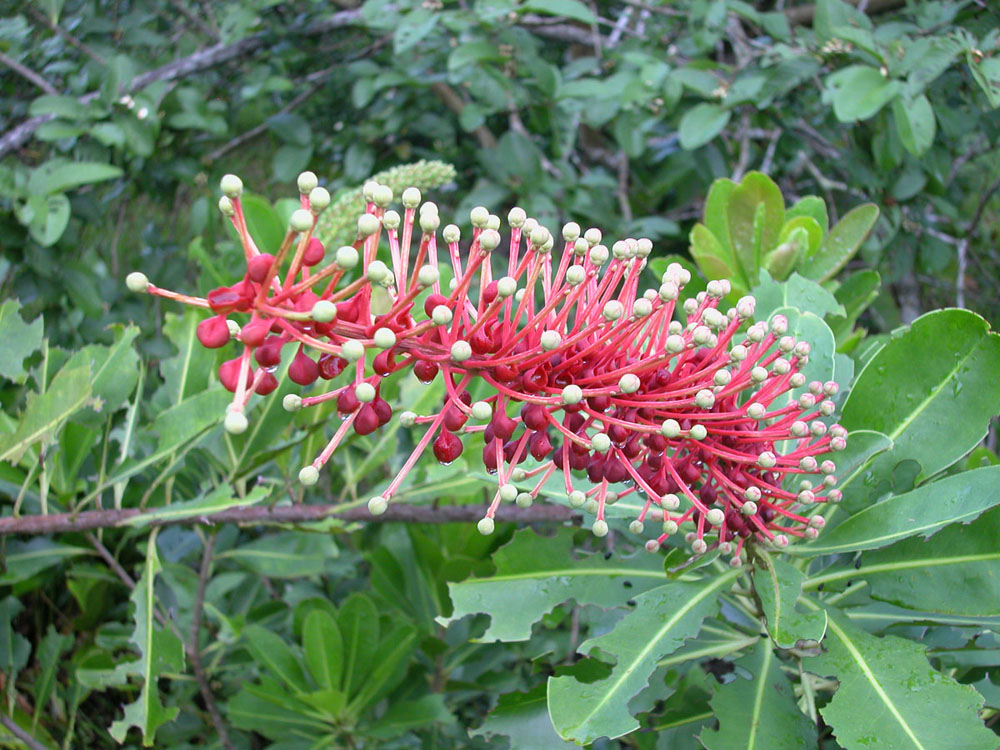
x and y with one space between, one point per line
524 719
324 648
841 243
221 498
798 292
701 124
862 447
813 207
779 586
288 554
662 620
755 215
58 175
915 123
858 92
805 326
956 571
759 713
44 413
716 208
272 653
955 499
711 256
535 573
814 231
359 627
932 389
18 340
159 650
889 696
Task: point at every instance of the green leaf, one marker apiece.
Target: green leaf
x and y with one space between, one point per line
660 623
890 697
269 709
797 292
778 586
221 498
716 212
187 373
51 220
524 719
415 26
702 123
760 712
18 340
854 294
959 498
44 413
405 716
386 668
49 652
324 648
535 573
862 447
712 258
290 554
114 371
813 207
23 560
14 647
272 653
358 621
859 92
59 175
572 9
159 650
263 222
986 71
915 123
841 243
955 571
67 107
932 389
755 216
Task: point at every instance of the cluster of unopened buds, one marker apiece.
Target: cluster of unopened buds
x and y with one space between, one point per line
701 412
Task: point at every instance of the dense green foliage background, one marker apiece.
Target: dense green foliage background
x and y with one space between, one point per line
117 120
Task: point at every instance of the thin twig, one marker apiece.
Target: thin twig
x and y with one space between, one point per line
15 730
55 523
194 651
25 72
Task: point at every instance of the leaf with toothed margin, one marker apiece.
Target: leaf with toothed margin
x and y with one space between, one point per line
890 697
779 586
759 713
660 623
535 573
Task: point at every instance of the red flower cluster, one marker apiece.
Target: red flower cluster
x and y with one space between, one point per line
588 373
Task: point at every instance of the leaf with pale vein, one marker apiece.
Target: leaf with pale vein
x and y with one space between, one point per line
779 586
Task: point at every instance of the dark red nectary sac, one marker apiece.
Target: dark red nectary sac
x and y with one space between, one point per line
551 354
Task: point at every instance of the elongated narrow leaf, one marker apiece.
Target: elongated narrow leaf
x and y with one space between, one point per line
536 573
878 616
324 648
890 697
358 622
159 650
277 657
58 175
760 713
26 559
841 243
661 621
778 586
221 498
955 571
386 670
68 392
49 651
290 554
190 370
955 499
114 371
933 389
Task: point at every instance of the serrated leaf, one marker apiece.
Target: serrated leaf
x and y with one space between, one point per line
158 650
954 572
524 719
760 713
662 620
841 243
44 413
221 498
114 371
955 499
779 586
18 340
535 573
889 696
324 648
932 389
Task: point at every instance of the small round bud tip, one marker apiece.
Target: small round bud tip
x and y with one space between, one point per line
600 528
486 526
292 402
308 475
137 282
236 423
377 505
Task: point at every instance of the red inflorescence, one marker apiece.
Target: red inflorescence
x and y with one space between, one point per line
701 413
